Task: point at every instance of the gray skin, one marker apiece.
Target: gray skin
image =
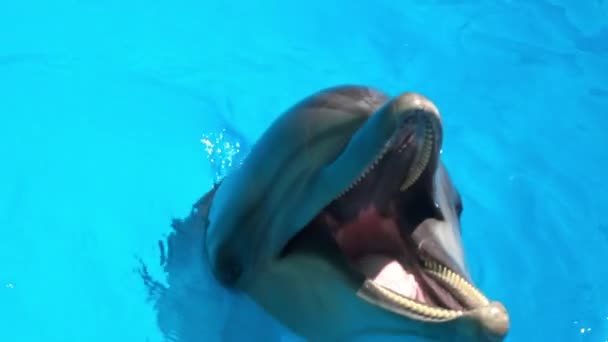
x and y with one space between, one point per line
259 234
261 237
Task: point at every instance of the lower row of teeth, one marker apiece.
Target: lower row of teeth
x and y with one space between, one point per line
451 278
456 282
414 306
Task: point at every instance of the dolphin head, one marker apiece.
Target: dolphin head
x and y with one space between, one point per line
343 223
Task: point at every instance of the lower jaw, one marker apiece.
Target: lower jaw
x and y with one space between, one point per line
416 307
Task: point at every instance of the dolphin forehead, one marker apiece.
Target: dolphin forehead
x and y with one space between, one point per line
254 200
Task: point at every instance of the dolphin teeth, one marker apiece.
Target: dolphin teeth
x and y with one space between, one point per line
458 284
418 166
422 159
383 296
366 171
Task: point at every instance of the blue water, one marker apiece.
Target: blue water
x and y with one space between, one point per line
117 115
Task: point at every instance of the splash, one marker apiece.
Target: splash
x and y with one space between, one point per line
224 152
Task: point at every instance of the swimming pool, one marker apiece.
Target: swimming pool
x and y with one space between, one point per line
115 119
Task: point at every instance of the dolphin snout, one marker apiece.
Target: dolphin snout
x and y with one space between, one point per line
414 102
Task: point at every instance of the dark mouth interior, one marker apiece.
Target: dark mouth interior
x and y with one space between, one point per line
380 248
373 223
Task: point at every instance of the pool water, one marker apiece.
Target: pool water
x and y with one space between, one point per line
117 115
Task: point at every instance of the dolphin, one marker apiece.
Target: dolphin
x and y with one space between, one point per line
343 224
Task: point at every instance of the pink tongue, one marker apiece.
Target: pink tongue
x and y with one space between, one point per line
389 273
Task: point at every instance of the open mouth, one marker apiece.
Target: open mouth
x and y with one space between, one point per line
373 222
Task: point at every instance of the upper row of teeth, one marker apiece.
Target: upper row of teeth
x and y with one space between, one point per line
418 167
422 160
366 171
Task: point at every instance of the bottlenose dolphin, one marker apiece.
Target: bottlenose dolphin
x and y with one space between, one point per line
343 223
